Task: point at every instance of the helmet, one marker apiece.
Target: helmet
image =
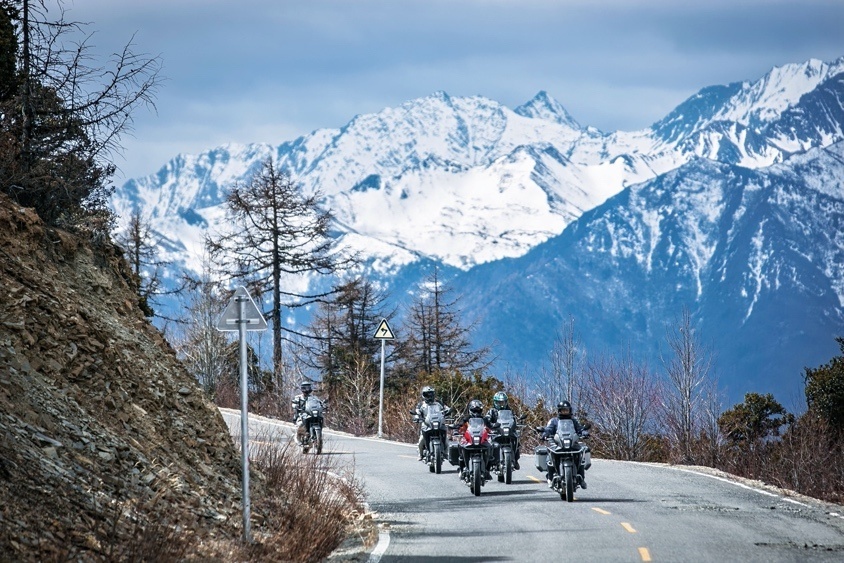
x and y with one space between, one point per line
564 409
305 387
499 400
428 394
476 408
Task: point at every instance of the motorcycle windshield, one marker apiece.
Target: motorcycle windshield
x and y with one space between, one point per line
565 431
313 404
475 426
434 413
506 419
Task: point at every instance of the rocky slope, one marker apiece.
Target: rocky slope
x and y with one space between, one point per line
105 441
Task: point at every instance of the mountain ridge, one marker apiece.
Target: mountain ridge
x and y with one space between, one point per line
469 184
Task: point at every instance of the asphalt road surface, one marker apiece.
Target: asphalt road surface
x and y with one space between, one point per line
630 512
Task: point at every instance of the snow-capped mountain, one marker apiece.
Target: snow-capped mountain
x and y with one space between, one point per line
755 255
474 186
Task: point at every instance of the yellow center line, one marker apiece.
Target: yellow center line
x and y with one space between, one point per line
600 510
644 554
628 527
532 478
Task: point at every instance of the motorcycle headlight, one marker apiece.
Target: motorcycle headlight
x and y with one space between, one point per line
506 431
566 443
436 426
476 440
316 413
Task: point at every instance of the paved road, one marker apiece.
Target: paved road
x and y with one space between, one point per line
630 512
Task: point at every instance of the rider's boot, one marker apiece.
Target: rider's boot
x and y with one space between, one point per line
516 461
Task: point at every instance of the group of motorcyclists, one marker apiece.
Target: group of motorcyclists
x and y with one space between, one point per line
474 410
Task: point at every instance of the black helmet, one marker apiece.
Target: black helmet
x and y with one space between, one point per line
476 408
564 409
428 394
499 400
305 386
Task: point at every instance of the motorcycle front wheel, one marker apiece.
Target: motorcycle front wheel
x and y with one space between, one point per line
438 458
477 477
317 441
508 467
567 493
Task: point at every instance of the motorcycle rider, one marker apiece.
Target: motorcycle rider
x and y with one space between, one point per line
475 409
429 397
298 405
564 411
500 402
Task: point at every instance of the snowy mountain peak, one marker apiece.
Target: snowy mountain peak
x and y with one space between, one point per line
544 106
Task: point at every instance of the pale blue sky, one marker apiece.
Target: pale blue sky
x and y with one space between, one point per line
272 70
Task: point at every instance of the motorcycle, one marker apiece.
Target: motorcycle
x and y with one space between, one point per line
474 452
505 440
312 422
434 433
569 457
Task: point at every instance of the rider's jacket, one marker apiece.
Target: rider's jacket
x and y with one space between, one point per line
298 405
422 409
551 428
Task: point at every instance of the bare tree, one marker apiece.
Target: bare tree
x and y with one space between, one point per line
140 247
562 380
343 333
437 341
280 232
62 121
621 399
687 370
201 346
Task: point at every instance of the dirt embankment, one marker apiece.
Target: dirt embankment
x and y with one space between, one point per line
105 440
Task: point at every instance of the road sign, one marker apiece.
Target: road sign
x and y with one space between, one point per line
383 331
231 317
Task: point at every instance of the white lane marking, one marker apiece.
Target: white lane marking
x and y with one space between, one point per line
381 548
742 485
791 500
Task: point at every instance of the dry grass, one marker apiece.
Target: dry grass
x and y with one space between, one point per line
309 505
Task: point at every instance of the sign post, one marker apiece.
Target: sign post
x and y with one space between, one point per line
241 315
383 333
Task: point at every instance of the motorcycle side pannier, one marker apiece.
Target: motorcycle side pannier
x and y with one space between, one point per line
541 458
453 453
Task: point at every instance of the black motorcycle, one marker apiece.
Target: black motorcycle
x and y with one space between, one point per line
312 422
475 450
570 458
505 440
435 436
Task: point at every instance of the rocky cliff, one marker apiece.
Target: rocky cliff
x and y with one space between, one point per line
106 442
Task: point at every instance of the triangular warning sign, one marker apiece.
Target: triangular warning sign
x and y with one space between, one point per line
383 331
231 319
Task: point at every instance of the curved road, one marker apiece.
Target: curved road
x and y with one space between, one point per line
630 512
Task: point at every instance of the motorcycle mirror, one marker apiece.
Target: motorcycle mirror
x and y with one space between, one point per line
587 426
